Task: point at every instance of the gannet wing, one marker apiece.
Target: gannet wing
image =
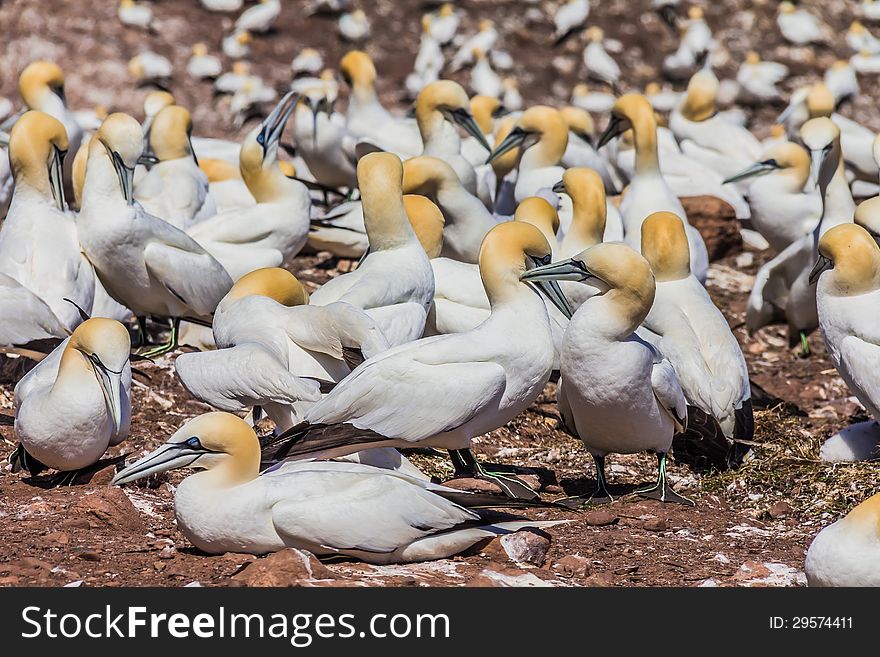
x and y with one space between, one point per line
44 374
862 360
26 317
333 328
668 392
190 274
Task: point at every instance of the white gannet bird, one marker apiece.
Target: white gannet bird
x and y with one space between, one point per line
782 211
389 516
662 99
496 372
154 102
484 80
842 82
483 40
253 92
798 26
428 63
648 191
222 5
695 45
268 338
444 23
593 218
865 63
175 188
308 61
466 218
201 65
569 16
237 45
276 228
870 10
782 289
234 80
847 553
394 283
259 18
511 99
134 14
26 317
149 66
690 331
75 403
580 151
39 247
439 108
617 393
595 102
142 261
541 135
705 136
600 65
758 79
354 26
860 39
485 110
367 119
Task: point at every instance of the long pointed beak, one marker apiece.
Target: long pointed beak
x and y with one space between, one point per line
816 160
564 270
111 384
273 126
559 188
757 169
553 292
822 264
126 178
615 127
511 141
170 456
787 112
466 120
56 179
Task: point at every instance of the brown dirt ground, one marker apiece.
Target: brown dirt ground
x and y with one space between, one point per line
104 536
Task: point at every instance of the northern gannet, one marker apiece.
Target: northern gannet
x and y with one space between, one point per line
308 61
798 26
135 14
581 152
259 18
662 99
75 403
484 40
26 317
617 393
759 78
695 45
856 140
428 63
456 386
394 283
444 23
870 9
354 26
237 45
782 210
841 80
690 331
175 188
569 16
222 5
201 65
484 80
511 99
142 261
274 230
154 102
860 39
600 65
595 102
373 514
593 217
847 553
148 66
39 247
648 191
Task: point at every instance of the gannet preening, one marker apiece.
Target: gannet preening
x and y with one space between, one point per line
617 393
389 516
444 23
782 288
394 283
541 135
134 14
595 102
580 151
75 403
758 79
483 40
237 45
569 16
690 331
142 261
798 26
648 192
308 61
39 247
175 188
148 66
354 26
26 317
847 553
259 18
276 228
268 338
201 65
466 218
782 210
600 65
456 386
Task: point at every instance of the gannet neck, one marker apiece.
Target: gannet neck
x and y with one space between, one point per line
538 212
589 208
32 143
101 181
837 202
380 179
74 369
665 246
865 518
432 104
551 130
358 70
427 222
854 258
503 261
170 134
483 109
261 173
273 282
41 85
644 127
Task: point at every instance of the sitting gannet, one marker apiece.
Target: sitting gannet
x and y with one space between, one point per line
308 61
237 45
617 393
330 508
483 40
222 5
394 283
798 26
782 288
695 44
274 230
267 338
648 191
595 102
860 39
354 26
175 188
569 16
142 261
841 80
782 211
847 553
201 65
870 10
444 23
148 66
260 17
134 14
484 80
580 151
690 331
600 65
759 79
75 403
456 386
511 99
39 247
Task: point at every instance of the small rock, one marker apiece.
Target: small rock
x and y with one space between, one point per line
655 525
600 580
780 510
526 546
58 538
533 481
35 564
88 555
751 570
474 485
573 565
76 523
105 475
168 552
9 580
626 570
159 565
553 489
600 518
110 507
289 567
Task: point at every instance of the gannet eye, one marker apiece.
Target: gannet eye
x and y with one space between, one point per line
193 442
260 139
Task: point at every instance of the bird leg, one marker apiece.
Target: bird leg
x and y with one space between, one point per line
805 346
598 496
171 345
20 459
466 465
142 331
663 490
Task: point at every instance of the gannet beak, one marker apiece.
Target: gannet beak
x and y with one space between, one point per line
148 159
559 188
111 386
464 118
125 175
616 127
757 169
786 113
56 177
564 270
273 125
511 141
170 456
548 286
822 264
817 158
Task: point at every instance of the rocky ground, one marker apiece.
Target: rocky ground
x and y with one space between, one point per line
750 527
